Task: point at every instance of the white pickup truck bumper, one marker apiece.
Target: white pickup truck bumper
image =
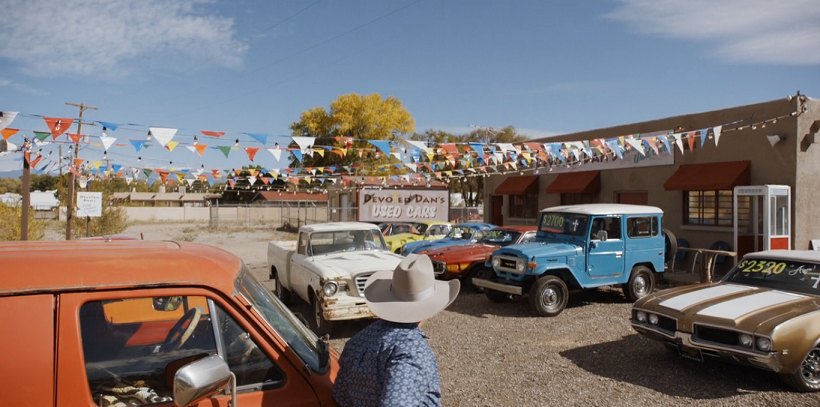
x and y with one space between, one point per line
345 307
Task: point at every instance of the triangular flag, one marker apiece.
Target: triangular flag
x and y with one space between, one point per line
297 154
138 144
276 152
637 145
303 142
58 125
703 137
225 150
171 145
109 125
383 145
691 139
41 135
716 130
107 142
678 141
6 118
210 133
251 180
8 132
75 138
162 135
260 137
200 148
163 175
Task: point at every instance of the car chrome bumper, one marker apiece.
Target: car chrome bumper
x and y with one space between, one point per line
341 309
492 285
682 342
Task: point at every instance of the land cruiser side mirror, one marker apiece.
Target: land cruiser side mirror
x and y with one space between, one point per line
601 235
202 379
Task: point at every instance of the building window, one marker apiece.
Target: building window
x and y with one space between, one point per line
525 205
713 208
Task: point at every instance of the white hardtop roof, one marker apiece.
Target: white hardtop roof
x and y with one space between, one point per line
605 209
812 256
338 226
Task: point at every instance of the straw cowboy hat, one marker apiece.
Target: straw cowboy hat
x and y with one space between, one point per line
410 293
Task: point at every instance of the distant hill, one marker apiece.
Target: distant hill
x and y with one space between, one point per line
11 174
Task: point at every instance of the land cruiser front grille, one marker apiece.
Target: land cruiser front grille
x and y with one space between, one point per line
361 279
508 264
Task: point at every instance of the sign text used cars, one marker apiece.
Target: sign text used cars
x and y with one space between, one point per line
405 205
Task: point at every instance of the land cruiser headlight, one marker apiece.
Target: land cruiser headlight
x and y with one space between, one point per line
653 319
745 340
496 262
764 344
520 266
330 288
640 316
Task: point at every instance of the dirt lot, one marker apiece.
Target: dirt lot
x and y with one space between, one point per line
500 355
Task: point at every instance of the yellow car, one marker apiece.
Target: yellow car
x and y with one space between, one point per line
424 230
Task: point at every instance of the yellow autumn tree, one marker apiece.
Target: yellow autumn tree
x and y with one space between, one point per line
352 120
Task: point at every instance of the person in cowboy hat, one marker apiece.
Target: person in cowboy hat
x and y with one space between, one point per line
390 363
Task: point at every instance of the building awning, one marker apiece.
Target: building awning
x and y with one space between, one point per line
583 182
710 176
516 185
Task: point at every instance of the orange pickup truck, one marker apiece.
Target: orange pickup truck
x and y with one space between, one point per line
129 322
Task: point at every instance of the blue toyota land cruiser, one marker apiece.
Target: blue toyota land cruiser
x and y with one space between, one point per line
579 247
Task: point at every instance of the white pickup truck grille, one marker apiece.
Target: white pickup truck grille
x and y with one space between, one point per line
360 280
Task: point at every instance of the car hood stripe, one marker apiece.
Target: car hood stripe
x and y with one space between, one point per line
748 304
687 300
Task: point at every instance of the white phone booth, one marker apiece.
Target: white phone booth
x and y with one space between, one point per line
762 218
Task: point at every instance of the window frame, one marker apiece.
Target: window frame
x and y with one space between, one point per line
524 205
714 213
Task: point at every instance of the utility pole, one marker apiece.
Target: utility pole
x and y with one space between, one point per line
26 204
69 217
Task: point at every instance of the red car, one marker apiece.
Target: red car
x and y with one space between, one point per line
467 261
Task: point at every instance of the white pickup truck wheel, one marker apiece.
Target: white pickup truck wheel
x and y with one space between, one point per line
322 326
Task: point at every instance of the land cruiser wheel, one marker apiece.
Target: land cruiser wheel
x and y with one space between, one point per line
281 292
807 376
323 326
549 296
641 283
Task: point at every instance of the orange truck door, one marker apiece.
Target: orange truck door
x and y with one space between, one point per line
27 350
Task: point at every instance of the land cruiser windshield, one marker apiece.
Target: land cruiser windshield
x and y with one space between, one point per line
299 338
563 223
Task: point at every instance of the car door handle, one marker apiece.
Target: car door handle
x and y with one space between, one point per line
618 255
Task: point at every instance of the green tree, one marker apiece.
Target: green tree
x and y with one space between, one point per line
351 121
10 185
10 217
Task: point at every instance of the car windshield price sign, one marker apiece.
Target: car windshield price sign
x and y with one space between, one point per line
89 204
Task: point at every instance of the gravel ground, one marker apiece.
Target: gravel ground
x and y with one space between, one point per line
501 355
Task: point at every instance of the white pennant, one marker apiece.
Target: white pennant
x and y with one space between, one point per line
637 145
6 119
678 141
192 149
276 152
163 135
716 130
190 181
418 144
304 142
128 179
107 141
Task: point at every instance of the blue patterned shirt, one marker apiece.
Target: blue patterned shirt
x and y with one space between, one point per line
388 364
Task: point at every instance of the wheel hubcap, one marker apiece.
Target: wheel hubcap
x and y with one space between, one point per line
639 285
549 298
810 368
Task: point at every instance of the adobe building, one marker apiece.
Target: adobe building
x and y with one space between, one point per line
769 143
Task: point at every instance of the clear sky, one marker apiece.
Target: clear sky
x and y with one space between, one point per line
545 67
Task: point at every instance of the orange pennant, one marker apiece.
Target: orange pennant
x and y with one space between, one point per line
210 133
36 160
75 137
691 138
251 152
78 162
58 125
8 132
163 175
200 148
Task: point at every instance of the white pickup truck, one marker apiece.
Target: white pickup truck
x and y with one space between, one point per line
327 267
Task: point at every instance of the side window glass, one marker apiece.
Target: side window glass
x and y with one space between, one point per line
252 367
644 226
301 247
612 226
133 347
